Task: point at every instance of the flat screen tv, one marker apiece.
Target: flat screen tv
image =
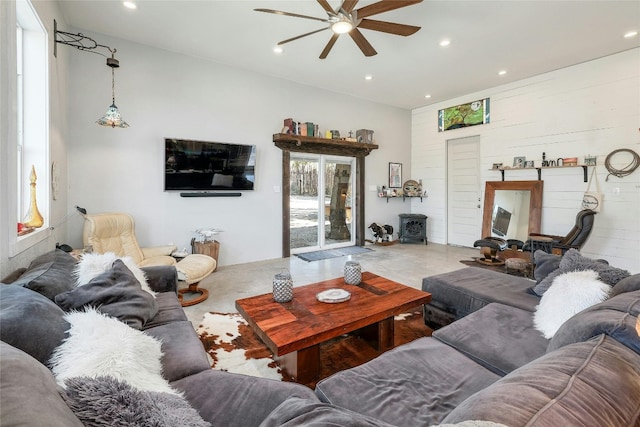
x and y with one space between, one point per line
208 166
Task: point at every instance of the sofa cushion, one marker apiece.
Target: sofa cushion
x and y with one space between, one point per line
467 290
545 264
169 310
628 284
573 260
116 292
29 395
418 383
94 264
182 351
592 383
499 337
615 317
31 322
303 412
99 345
570 293
234 400
106 401
49 274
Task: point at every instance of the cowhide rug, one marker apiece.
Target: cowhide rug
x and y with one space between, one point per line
234 347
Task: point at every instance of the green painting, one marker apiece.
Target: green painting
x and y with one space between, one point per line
464 115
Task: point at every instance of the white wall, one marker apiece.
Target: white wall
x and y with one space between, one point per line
47 11
163 94
591 108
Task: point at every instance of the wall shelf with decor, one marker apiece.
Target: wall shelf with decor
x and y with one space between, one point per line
539 169
311 144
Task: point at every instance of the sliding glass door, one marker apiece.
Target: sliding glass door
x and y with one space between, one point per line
320 202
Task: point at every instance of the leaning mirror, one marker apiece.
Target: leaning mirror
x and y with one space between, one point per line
512 209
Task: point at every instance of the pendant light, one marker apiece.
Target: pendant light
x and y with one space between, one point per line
112 117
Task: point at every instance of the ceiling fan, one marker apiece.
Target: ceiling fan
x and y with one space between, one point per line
347 20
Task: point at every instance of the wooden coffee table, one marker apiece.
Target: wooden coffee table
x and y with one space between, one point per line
294 330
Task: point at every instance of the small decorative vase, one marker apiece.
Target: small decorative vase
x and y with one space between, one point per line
282 287
352 273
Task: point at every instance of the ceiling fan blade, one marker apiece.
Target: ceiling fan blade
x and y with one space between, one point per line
327 7
348 5
362 43
301 36
295 15
329 45
388 27
384 6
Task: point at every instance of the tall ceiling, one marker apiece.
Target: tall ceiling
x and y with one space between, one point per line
525 38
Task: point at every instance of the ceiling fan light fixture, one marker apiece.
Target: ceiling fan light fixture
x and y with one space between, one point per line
342 27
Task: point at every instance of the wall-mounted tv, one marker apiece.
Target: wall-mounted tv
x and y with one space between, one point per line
208 166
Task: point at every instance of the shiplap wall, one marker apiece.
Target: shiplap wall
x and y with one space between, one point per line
591 108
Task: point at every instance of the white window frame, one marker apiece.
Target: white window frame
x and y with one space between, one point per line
32 123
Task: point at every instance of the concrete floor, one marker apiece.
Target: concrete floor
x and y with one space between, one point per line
406 263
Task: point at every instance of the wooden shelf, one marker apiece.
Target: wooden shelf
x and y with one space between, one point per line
311 144
401 197
539 169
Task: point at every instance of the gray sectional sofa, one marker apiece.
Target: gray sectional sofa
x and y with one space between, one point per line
32 326
489 363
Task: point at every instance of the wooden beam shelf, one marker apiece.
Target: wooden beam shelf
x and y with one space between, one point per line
311 144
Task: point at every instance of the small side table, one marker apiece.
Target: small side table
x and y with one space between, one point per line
413 227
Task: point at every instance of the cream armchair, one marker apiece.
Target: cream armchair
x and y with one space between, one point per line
115 232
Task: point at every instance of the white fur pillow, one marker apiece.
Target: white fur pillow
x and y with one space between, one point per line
569 294
99 345
92 265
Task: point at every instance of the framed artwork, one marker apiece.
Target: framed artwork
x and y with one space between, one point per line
518 162
528 164
464 115
395 175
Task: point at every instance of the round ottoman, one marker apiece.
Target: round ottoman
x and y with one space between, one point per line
192 269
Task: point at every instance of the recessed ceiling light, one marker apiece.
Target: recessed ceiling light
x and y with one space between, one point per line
502 72
278 49
129 5
427 96
368 77
630 34
445 43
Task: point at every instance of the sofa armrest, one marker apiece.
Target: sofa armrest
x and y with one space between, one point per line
162 278
158 251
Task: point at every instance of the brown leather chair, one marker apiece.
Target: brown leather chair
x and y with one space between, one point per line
575 238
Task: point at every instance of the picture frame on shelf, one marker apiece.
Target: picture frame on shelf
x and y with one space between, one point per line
395 175
496 166
528 164
518 162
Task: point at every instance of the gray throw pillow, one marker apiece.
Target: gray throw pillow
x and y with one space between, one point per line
49 274
105 401
25 380
115 292
31 322
615 317
628 284
545 264
573 260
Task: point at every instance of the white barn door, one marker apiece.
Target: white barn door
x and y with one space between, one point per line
464 215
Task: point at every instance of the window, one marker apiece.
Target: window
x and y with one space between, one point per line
32 119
